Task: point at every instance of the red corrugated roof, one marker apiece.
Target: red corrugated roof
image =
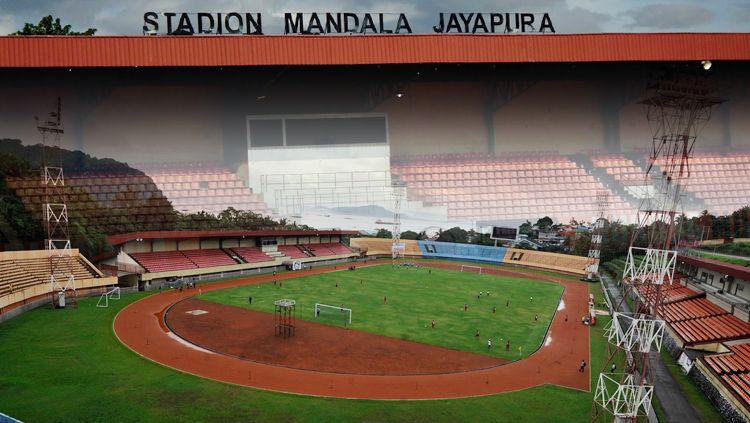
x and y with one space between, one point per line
123 238
126 51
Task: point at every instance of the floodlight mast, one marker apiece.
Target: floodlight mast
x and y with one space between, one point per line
677 108
397 248
55 212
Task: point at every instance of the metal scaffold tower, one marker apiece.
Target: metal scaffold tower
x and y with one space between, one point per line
602 206
55 211
678 106
397 247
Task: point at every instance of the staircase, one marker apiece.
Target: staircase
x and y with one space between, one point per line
605 179
688 199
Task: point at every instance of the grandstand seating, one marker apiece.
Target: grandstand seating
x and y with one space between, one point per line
382 246
252 254
721 180
292 251
622 169
209 257
163 261
733 369
328 249
508 187
208 187
551 261
462 251
111 202
25 274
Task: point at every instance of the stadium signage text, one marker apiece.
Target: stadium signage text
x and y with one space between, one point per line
182 23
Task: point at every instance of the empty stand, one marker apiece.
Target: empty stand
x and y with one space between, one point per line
25 274
209 257
208 187
382 246
163 261
292 251
111 202
552 261
475 187
252 254
328 249
721 180
622 169
462 251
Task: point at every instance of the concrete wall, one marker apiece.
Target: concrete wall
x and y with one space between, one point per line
719 396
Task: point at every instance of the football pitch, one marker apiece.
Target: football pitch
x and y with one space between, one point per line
403 302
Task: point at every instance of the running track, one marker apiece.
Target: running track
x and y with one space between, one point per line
141 328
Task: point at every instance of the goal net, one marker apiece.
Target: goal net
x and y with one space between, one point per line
332 315
471 269
112 294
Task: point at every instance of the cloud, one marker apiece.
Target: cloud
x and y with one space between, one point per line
7 25
741 12
126 17
670 16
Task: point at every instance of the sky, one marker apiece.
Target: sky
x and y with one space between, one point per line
118 17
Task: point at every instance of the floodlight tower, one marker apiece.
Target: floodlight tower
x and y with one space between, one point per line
55 211
602 205
678 106
397 248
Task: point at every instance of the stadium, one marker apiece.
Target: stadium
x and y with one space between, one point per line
220 228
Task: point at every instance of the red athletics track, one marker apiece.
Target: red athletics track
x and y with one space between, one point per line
141 328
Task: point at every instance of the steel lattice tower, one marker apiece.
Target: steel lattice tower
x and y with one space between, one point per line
397 248
602 206
55 209
678 106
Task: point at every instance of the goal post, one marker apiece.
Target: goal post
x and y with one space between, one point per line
112 294
471 269
327 313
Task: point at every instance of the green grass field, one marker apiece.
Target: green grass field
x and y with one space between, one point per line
414 298
67 366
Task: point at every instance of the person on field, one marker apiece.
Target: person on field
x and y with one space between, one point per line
489 344
494 309
507 345
476 335
433 323
582 367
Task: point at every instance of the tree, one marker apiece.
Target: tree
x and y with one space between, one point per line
544 222
525 228
383 233
50 26
455 234
409 235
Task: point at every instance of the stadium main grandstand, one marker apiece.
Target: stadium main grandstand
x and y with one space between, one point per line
263 167
479 129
